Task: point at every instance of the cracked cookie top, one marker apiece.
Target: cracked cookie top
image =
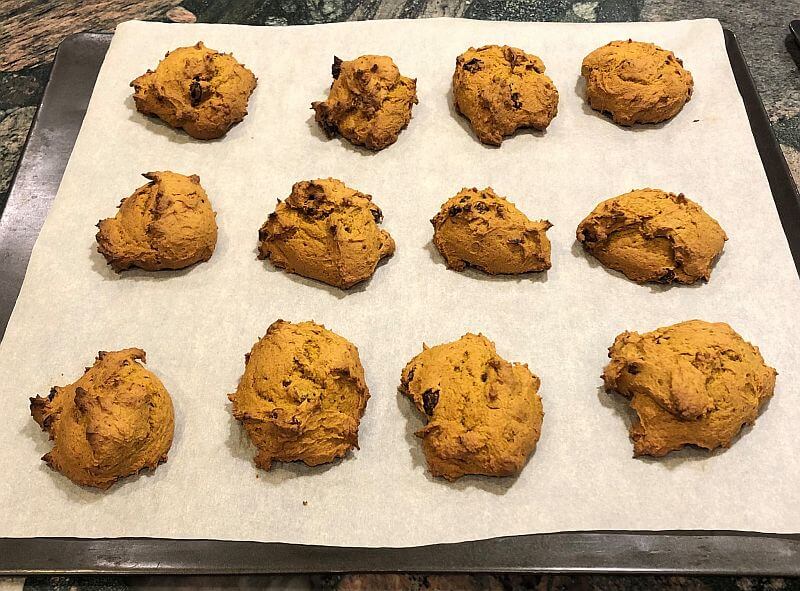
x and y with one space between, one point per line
114 421
166 224
326 231
693 383
652 235
202 91
502 89
486 231
636 82
369 102
484 414
302 395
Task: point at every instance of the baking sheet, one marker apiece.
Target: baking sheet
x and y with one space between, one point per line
197 324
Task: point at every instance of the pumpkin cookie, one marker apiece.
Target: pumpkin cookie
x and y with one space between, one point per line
651 235
502 89
196 89
486 231
302 395
116 420
369 103
636 82
694 383
166 224
326 231
484 414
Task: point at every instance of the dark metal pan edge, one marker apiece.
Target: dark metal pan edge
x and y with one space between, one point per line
781 183
44 157
657 552
794 27
696 552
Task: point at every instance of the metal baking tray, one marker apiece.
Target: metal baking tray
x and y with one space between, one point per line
41 167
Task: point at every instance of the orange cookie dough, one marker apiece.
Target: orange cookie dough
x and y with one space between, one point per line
116 420
651 235
196 89
486 231
369 102
166 224
326 231
484 414
693 383
302 395
502 89
636 82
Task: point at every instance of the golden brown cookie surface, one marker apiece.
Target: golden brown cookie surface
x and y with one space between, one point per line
166 224
651 235
326 231
484 414
486 231
369 103
694 383
502 89
636 82
116 420
302 395
196 89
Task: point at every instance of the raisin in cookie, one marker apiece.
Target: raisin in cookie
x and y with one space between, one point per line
369 103
486 231
694 383
636 82
651 235
502 89
326 231
116 420
484 414
196 89
302 395
166 224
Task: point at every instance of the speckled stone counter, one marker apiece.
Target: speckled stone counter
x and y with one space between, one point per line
31 31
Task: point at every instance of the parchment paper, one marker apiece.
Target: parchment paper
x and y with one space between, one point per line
197 324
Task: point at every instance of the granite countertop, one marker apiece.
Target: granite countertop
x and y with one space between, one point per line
31 31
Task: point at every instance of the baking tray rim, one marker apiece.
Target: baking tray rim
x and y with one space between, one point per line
597 551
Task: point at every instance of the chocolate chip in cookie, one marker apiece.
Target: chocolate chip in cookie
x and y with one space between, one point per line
202 91
502 89
326 231
653 236
369 102
487 232
484 414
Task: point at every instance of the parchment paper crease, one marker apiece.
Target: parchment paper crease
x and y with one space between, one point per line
196 325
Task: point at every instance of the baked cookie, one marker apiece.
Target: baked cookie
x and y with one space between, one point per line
116 420
302 395
369 103
636 82
486 231
166 224
196 89
693 383
326 231
502 89
484 414
651 235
